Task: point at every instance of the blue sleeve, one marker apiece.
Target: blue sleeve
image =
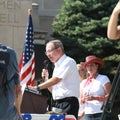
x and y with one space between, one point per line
13 72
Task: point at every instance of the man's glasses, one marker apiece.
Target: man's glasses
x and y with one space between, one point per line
49 51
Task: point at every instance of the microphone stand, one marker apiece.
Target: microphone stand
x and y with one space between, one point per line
46 63
38 87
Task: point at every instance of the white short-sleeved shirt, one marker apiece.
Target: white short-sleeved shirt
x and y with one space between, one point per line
66 69
95 88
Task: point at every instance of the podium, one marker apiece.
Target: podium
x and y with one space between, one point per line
34 107
33 102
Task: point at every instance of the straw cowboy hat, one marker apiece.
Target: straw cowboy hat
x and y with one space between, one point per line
94 59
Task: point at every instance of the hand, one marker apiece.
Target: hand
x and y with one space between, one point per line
89 98
32 87
82 101
45 74
19 113
20 116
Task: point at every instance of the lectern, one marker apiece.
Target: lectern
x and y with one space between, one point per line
33 102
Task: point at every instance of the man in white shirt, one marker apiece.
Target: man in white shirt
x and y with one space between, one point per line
64 83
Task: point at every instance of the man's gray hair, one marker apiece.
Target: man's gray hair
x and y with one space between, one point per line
57 44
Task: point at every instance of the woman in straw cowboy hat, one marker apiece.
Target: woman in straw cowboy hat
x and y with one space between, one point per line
95 89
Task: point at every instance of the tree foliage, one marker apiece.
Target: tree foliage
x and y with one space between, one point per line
82 26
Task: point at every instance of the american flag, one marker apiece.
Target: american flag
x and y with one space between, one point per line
27 62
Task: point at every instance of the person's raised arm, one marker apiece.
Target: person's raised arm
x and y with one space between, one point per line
113 30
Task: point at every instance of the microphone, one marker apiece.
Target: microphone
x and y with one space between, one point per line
46 63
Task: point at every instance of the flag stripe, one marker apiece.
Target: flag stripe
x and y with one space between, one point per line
29 67
27 72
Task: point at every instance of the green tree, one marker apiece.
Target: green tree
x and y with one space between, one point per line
82 26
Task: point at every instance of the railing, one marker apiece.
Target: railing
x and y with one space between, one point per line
107 106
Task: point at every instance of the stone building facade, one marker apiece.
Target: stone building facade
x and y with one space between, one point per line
13 24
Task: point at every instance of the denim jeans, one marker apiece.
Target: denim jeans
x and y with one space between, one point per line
96 116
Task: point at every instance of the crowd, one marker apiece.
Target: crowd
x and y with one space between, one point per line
77 89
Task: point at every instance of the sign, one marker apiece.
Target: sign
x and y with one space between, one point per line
14 12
